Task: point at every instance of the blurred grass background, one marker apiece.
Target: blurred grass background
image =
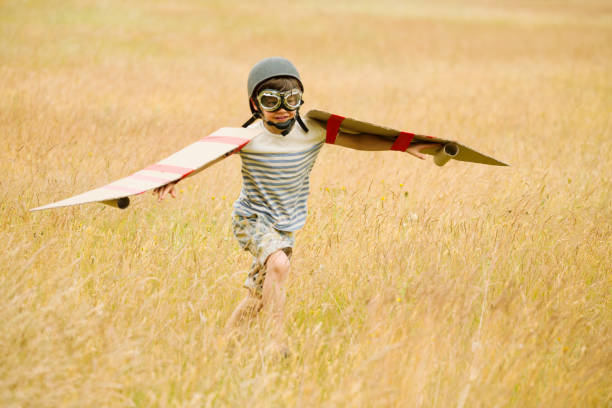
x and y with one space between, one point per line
412 285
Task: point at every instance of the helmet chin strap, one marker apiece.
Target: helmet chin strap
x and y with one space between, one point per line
285 126
288 125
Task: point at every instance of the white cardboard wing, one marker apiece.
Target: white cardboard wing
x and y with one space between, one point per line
449 149
186 162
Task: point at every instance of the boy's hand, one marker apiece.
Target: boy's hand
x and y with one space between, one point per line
164 190
416 148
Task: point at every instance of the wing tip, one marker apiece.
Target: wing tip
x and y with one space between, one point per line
42 207
121 203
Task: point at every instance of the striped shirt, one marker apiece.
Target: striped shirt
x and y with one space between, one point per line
276 175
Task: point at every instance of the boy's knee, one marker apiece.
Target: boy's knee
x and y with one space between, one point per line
278 264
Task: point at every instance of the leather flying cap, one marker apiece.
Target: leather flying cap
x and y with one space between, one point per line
269 68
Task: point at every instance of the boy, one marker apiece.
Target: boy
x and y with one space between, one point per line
276 167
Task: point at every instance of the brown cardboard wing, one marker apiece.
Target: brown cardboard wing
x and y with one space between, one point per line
184 163
450 149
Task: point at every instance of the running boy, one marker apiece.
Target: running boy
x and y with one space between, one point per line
276 167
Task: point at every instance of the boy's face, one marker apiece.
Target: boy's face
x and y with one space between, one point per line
279 116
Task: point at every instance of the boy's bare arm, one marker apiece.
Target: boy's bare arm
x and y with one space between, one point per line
369 142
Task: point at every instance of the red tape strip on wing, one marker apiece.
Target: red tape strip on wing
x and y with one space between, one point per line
123 189
333 126
144 177
166 168
403 141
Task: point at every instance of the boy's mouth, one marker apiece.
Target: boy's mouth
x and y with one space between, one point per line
282 118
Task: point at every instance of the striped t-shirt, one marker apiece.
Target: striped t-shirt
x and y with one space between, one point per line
276 175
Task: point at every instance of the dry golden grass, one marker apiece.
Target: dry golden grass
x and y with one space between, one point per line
412 285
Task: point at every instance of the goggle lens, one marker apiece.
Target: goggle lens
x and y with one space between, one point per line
269 101
293 100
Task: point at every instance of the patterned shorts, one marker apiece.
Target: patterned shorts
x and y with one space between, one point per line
258 236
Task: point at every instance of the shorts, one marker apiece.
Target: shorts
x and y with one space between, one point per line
257 235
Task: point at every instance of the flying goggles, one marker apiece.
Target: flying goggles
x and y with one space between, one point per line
272 100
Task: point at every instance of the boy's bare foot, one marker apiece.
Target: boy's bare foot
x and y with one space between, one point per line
276 349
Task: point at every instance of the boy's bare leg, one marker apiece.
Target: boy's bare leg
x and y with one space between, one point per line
246 310
272 300
274 292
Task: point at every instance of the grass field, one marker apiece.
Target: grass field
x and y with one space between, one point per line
412 285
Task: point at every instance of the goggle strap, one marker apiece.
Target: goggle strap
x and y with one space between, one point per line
252 119
302 124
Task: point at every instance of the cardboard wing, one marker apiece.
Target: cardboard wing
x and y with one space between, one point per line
450 149
184 163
